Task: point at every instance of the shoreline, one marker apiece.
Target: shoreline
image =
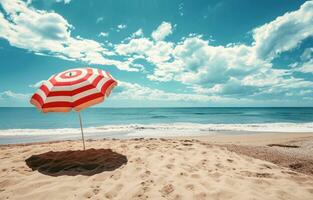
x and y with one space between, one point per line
229 137
144 133
184 126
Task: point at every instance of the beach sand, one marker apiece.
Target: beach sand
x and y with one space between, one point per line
211 167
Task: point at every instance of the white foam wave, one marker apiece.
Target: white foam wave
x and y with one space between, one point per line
155 130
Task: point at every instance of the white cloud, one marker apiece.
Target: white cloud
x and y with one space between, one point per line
138 46
121 27
138 33
237 69
99 19
36 85
234 70
307 54
306 63
103 34
65 1
197 62
52 1
48 33
12 95
284 33
306 67
154 52
134 91
162 31
181 9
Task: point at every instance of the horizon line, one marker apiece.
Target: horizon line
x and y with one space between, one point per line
179 107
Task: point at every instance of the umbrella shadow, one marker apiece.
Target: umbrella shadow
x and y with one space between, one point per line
72 163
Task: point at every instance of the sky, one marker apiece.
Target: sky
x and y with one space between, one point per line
163 53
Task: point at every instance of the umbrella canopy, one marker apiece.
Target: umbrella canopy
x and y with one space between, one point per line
74 89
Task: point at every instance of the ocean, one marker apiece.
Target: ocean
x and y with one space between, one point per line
20 125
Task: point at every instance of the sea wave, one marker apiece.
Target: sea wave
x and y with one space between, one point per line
161 130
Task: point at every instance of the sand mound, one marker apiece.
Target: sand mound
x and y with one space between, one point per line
283 158
88 162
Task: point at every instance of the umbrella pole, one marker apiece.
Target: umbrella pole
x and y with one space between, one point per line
81 128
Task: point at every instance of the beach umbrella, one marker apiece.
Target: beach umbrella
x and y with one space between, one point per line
73 89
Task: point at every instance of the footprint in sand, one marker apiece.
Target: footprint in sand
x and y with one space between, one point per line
147 182
151 146
141 193
146 174
88 195
219 165
114 191
96 189
195 176
203 162
190 187
138 146
167 189
216 175
169 166
172 160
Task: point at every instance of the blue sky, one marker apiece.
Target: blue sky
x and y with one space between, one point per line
163 53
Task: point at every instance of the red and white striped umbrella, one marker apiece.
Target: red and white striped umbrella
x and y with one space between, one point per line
73 89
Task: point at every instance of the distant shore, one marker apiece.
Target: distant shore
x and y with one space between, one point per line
240 166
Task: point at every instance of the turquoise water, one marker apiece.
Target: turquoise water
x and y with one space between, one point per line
28 125
19 118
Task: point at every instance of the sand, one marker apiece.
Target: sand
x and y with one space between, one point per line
218 167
